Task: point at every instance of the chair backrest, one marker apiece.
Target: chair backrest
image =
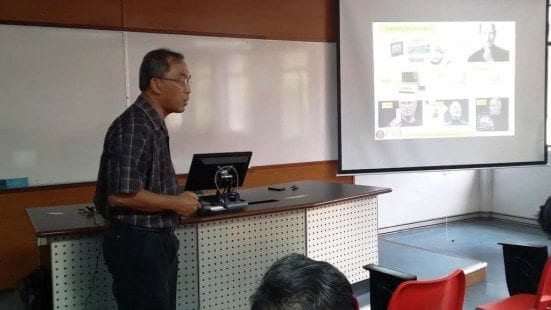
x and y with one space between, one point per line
443 293
543 298
523 267
382 283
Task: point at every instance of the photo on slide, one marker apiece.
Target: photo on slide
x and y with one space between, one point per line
457 112
492 114
400 113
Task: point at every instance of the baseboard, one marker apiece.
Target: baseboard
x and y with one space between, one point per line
513 218
456 218
429 222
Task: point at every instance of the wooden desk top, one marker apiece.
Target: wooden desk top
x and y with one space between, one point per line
66 220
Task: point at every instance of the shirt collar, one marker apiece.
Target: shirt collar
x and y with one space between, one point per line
151 113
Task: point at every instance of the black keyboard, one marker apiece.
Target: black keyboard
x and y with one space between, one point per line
211 200
219 203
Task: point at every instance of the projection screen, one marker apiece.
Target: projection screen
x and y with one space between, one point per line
441 84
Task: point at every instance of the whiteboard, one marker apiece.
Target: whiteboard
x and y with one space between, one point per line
61 88
59 91
275 98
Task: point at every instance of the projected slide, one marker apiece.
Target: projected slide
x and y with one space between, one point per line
443 79
447 84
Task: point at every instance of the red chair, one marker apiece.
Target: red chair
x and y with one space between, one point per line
444 293
540 301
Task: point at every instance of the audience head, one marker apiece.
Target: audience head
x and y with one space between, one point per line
544 216
296 282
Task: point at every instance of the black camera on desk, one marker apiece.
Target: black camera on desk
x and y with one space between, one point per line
226 180
224 172
232 197
224 200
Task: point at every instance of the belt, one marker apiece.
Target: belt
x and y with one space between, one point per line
167 230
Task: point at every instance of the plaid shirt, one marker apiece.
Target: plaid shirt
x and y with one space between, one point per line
136 156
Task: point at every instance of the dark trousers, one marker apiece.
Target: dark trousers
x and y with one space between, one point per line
144 266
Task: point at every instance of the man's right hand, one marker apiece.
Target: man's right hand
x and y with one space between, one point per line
188 204
397 122
184 205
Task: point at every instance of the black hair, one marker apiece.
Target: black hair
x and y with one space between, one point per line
298 282
544 216
156 64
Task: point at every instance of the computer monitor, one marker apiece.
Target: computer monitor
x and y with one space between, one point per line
397 48
205 170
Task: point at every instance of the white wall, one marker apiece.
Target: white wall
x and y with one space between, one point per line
521 191
424 196
421 196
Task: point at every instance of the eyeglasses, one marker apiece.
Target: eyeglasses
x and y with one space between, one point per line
183 81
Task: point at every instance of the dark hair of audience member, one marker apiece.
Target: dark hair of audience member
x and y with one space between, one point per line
544 216
298 282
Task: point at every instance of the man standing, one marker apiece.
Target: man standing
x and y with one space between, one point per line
137 189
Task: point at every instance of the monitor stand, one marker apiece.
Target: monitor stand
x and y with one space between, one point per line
221 203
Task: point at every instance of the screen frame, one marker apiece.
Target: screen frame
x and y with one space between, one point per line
345 168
